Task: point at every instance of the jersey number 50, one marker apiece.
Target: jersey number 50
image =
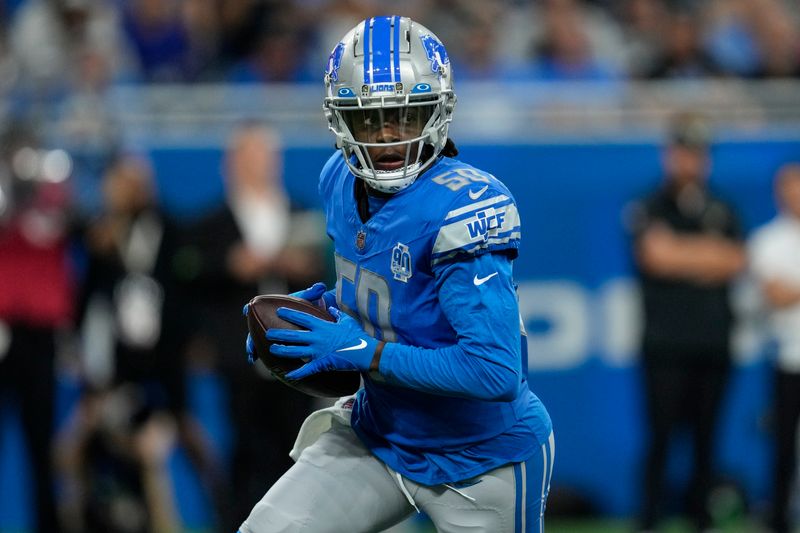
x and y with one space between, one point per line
368 285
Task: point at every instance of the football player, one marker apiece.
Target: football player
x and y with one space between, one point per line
425 307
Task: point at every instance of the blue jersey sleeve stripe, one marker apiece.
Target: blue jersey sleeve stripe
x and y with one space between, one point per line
494 245
479 228
476 206
467 214
513 234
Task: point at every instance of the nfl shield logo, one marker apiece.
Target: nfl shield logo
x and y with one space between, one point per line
401 262
361 240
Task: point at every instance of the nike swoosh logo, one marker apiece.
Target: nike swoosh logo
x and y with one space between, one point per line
359 346
480 281
477 194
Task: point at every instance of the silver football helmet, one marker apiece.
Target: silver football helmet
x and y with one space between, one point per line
389 100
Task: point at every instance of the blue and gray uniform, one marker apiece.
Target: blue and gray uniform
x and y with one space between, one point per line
452 399
430 273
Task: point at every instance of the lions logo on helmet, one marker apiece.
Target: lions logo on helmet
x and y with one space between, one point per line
436 53
334 62
389 100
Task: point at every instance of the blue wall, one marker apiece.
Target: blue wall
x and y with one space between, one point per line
575 271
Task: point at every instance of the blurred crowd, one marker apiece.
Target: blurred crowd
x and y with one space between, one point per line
53 46
131 305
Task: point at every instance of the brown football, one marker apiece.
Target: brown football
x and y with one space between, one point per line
263 315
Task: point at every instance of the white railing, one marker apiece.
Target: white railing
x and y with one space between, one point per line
486 112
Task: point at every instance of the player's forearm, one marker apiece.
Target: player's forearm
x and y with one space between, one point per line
450 371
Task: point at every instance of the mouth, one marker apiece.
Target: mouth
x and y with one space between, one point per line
389 161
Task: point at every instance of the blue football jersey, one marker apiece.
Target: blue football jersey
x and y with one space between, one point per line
453 221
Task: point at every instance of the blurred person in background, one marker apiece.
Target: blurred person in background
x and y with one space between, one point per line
172 40
729 36
129 288
478 60
754 38
243 248
133 371
682 54
36 295
471 28
243 23
777 32
775 261
565 52
203 32
280 52
644 26
563 48
687 249
88 128
114 466
8 65
159 39
240 22
48 36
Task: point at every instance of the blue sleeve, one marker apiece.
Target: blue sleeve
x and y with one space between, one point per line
478 298
327 176
480 224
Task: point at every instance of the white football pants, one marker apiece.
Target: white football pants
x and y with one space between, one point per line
338 486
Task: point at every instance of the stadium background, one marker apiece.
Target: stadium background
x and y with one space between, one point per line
574 152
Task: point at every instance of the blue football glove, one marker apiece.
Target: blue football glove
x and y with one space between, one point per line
311 294
250 347
314 294
339 345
